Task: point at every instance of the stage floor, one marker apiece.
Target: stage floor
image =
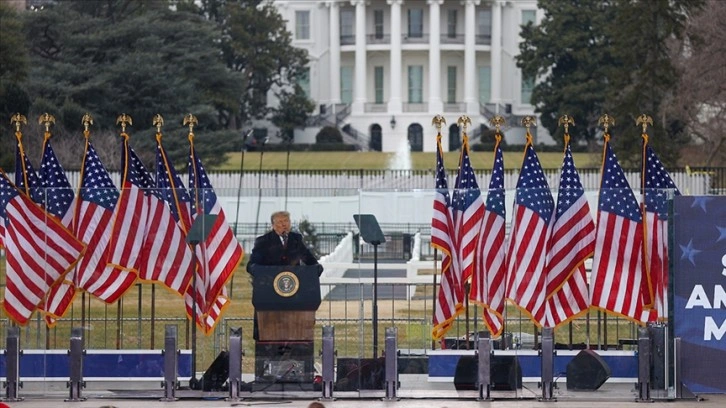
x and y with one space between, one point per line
415 391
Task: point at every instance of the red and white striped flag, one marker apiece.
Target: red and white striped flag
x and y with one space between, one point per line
39 251
166 258
571 242
130 216
468 212
97 198
219 255
656 183
528 238
58 200
617 268
487 284
450 296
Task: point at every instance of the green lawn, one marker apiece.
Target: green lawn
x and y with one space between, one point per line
380 161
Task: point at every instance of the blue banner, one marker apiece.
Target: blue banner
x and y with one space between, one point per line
699 310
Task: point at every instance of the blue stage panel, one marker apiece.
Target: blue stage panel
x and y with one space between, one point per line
99 364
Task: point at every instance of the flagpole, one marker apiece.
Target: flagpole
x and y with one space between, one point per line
259 184
239 195
288 141
436 267
239 185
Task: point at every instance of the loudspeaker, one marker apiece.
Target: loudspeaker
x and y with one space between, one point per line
505 373
587 371
360 374
215 378
658 352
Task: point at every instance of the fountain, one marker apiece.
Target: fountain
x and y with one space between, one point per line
401 159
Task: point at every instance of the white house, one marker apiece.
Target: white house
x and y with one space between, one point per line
381 69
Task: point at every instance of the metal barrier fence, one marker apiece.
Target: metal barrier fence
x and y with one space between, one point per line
271 183
408 306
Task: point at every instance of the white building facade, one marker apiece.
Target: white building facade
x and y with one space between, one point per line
381 69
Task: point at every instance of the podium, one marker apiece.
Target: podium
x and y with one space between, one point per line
285 300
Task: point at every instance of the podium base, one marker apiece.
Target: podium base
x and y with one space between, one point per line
278 362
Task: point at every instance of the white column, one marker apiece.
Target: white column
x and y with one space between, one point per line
470 80
334 52
359 91
435 103
496 58
395 103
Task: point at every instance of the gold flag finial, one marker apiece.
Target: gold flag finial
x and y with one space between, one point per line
606 121
87 121
566 121
46 119
497 121
644 120
464 122
438 121
124 120
158 122
528 121
19 120
191 121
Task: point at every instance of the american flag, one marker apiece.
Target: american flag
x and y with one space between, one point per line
533 207
26 179
165 256
656 182
39 251
468 213
58 201
450 296
487 284
131 213
219 255
571 242
617 268
92 223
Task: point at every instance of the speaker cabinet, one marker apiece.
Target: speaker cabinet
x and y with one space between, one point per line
505 373
587 371
360 374
215 378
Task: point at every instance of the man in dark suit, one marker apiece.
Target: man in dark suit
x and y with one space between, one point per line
280 247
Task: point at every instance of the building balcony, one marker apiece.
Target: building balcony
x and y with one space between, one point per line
417 38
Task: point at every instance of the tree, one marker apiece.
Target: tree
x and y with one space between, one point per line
13 72
568 51
292 112
594 57
130 56
256 44
700 96
642 76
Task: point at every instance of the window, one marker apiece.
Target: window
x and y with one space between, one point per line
304 81
415 84
527 87
415 23
484 25
346 84
378 23
376 141
347 35
451 24
529 16
451 84
378 83
485 84
415 137
302 24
